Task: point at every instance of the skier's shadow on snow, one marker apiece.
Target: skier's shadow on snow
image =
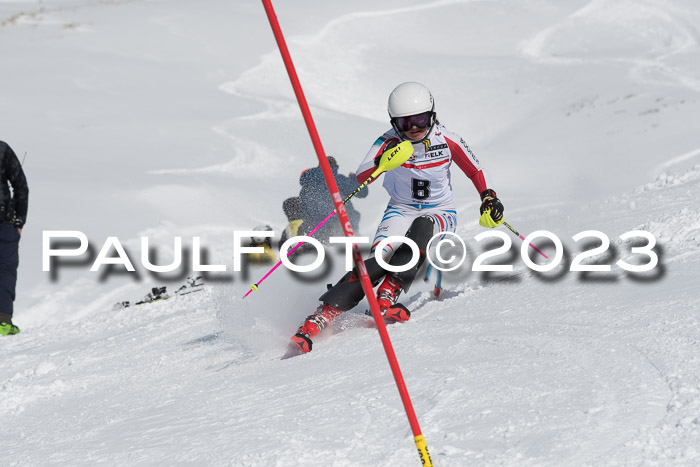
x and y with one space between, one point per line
207 339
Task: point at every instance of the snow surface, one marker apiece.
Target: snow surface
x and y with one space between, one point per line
170 117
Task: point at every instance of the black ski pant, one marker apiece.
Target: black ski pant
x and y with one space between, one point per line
347 293
9 260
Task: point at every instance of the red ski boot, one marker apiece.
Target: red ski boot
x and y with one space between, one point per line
314 324
300 344
388 293
396 314
388 296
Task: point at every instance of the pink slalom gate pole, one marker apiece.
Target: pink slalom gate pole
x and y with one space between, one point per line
255 286
347 229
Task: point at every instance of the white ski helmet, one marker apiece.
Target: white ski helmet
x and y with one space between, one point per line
410 98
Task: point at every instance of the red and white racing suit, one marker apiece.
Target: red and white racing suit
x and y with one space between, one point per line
422 186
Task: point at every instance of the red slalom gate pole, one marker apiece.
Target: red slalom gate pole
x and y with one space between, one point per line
347 228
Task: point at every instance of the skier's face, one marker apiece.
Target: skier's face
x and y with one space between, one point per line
414 127
415 133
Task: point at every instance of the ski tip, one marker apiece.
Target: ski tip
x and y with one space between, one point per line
291 353
299 345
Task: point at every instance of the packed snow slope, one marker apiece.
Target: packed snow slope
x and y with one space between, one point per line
169 118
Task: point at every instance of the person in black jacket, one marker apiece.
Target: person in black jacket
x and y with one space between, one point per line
314 203
13 215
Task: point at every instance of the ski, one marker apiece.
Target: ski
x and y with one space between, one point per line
192 284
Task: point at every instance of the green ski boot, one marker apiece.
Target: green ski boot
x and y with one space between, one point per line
8 329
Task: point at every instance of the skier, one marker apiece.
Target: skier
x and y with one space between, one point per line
314 204
420 205
13 215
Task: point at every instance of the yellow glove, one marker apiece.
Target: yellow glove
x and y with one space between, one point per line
491 210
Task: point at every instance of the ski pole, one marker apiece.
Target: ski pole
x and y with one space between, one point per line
390 160
438 285
438 282
523 238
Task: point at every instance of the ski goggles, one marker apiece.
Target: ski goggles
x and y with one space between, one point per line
419 121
